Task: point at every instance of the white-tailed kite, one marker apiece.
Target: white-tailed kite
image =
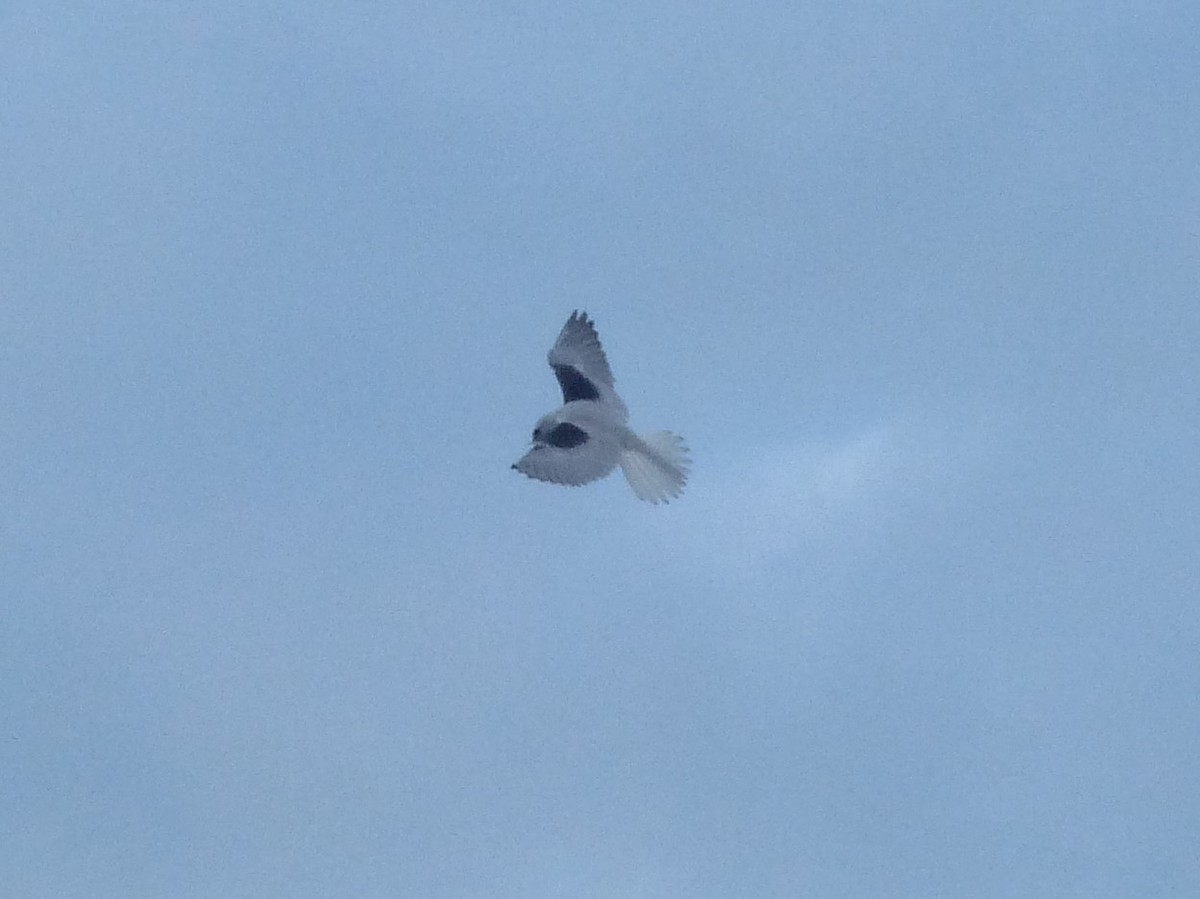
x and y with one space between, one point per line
588 437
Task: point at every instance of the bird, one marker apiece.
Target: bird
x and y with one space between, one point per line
588 436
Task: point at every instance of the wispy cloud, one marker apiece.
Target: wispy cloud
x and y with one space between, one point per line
768 504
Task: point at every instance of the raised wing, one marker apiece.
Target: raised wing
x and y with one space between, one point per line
569 456
580 365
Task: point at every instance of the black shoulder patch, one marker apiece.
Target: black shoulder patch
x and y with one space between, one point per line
574 385
565 435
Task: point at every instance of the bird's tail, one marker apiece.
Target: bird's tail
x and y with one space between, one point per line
656 466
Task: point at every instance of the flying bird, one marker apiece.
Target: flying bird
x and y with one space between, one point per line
588 437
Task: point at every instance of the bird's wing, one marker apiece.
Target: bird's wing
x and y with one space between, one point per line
580 365
569 456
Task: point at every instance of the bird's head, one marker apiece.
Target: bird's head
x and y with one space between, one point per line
544 426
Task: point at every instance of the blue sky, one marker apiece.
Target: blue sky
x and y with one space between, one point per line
918 284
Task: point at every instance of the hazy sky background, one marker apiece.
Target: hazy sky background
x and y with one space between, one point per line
918 282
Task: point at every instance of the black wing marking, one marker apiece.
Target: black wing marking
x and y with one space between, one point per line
574 385
565 435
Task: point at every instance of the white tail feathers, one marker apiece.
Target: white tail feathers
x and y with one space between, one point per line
656 466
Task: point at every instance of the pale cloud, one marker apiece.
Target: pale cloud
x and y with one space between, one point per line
831 496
